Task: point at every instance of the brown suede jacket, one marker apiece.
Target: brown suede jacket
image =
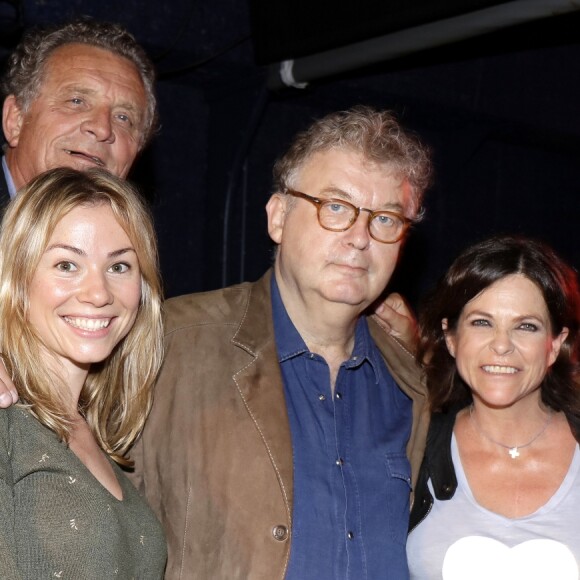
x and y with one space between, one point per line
215 459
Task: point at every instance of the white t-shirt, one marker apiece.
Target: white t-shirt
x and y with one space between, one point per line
461 540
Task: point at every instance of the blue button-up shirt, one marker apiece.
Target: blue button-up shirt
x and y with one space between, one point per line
351 474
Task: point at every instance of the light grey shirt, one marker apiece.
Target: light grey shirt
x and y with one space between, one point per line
461 540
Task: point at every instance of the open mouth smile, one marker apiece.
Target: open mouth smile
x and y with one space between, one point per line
90 324
500 369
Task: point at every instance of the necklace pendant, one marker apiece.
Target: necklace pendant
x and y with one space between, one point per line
514 452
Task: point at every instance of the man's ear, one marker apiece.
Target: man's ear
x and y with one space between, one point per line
276 209
12 119
449 337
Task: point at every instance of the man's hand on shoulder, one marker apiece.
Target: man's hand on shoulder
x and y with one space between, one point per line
8 394
396 318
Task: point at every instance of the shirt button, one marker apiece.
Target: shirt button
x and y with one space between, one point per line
280 533
339 395
340 461
350 536
321 398
311 355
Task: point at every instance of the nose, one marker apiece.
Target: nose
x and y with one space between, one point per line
98 124
501 342
358 234
95 290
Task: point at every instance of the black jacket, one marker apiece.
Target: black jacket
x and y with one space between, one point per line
437 465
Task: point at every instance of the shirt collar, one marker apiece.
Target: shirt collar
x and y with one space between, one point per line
8 177
288 340
290 344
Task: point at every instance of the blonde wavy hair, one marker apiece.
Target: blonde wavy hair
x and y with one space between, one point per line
117 395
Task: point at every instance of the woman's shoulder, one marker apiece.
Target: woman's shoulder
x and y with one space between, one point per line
13 421
20 432
9 418
14 416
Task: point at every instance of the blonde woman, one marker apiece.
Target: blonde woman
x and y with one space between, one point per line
81 336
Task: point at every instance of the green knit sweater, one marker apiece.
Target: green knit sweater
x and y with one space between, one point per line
58 521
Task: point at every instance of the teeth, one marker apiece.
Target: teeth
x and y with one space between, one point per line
90 324
91 157
97 161
499 369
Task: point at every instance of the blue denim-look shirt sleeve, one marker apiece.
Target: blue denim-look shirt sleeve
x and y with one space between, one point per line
351 473
8 177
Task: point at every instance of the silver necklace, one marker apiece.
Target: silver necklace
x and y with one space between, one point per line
513 450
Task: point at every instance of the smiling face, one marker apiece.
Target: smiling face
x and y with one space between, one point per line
90 112
503 343
85 293
325 267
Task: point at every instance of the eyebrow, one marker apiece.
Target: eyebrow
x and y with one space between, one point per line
79 252
335 191
517 318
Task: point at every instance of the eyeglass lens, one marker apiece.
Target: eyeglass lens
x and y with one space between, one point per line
384 226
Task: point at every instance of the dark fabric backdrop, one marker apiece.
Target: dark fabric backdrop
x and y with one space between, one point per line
500 112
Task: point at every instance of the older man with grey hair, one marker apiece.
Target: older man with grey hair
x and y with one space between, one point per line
78 95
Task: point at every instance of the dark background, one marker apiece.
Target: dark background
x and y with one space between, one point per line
500 111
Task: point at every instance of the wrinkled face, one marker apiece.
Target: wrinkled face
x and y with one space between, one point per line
90 112
347 268
503 344
86 290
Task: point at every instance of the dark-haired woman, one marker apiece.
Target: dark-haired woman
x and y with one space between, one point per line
499 490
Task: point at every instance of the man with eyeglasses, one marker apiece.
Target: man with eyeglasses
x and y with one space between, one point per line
288 427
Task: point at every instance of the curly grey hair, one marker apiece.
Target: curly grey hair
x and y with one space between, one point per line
377 135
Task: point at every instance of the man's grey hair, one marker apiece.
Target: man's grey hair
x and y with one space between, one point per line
26 65
375 134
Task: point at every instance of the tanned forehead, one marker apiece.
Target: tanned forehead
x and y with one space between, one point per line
81 50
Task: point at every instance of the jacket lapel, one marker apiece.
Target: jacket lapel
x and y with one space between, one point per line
260 383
